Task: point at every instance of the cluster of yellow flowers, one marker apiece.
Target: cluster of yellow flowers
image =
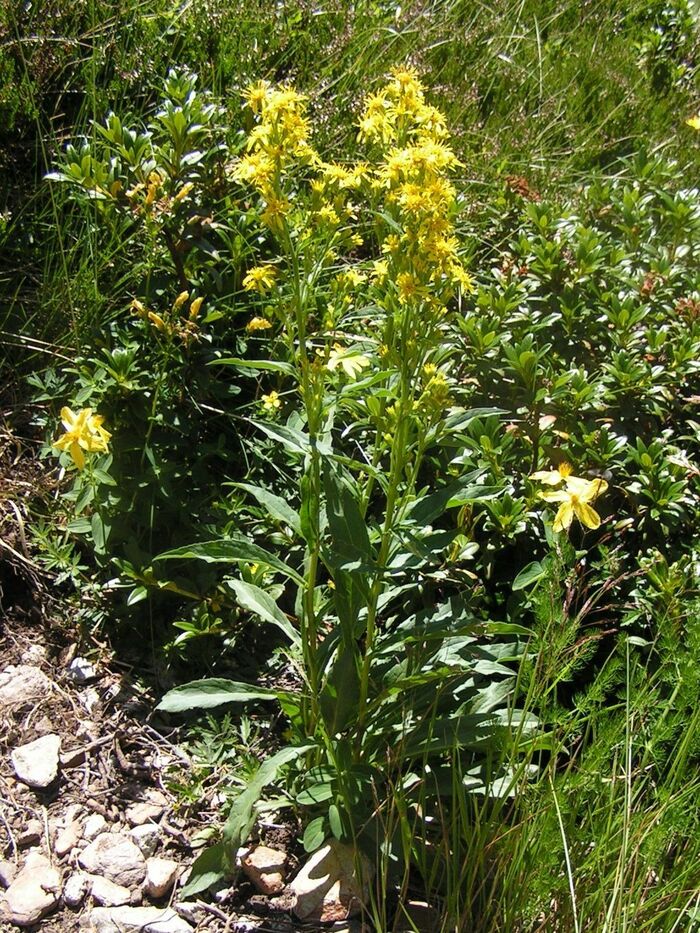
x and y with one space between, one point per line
278 142
412 178
184 328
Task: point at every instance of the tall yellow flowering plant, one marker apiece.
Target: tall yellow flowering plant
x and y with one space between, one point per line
361 271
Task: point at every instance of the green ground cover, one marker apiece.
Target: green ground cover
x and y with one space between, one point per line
393 369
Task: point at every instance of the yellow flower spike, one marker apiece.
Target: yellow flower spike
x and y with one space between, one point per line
260 279
84 431
694 122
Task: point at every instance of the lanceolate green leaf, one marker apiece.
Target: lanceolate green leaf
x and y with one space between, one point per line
231 550
211 692
277 507
277 366
260 603
242 815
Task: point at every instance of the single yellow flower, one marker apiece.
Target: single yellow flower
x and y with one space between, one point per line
349 361
271 402
260 279
84 431
694 122
258 323
575 499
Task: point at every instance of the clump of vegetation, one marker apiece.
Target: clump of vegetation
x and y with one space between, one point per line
429 441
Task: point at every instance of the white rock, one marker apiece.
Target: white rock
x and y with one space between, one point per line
36 763
75 889
161 875
34 654
108 893
139 813
22 684
266 868
94 825
146 838
67 839
33 893
327 888
115 857
80 670
136 920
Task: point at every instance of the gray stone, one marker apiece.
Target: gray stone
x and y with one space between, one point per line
108 893
36 763
75 889
136 920
146 837
161 875
22 684
115 857
33 893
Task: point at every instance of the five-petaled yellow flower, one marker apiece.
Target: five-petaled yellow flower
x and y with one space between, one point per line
351 362
271 402
574 497
694 122
84 431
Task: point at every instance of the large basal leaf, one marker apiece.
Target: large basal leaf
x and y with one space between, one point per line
211 692
234 549
260 603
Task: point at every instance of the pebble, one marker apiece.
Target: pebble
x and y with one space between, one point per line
36 763
75 889
31 834
115 857
266 868
94 825
146 837
161 875
136 920
33 893
67 839
108 893
80 670
139 813
22 684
